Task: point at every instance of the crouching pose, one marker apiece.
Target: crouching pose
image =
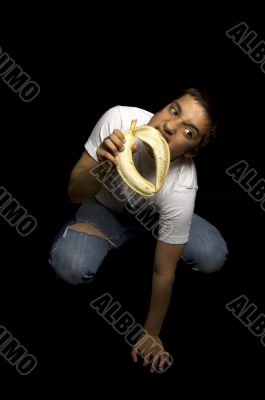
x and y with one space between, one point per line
109 215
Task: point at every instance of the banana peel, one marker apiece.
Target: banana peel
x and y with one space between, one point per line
126 167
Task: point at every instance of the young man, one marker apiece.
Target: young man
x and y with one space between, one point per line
101 224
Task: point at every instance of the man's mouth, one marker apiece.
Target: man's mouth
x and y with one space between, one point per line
165 135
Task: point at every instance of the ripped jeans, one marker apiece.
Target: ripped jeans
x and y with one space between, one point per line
76 256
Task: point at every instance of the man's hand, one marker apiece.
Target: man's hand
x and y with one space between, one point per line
151 350
111 145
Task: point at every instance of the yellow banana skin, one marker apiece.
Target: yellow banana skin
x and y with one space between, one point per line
126 167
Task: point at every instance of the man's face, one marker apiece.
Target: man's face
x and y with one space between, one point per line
183 123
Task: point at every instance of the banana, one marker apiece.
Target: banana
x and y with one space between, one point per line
126 167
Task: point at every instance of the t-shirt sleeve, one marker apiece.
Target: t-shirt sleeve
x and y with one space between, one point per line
175 216
109 121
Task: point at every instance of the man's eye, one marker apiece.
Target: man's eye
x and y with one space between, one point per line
174 111
188 132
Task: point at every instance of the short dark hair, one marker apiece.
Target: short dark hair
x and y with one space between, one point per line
208 103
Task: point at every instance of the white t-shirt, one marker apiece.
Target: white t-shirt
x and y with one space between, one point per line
174 203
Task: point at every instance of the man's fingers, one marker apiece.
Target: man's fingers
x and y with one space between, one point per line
147 360
134 355
158 362
110 146
134 147
163 360
119 134
154 363
151 352
104 154
118 141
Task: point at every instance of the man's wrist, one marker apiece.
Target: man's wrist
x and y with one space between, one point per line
152 330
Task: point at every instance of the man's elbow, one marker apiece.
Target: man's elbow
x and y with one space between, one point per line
167 275
73 195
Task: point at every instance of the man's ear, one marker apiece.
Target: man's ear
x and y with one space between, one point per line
191 153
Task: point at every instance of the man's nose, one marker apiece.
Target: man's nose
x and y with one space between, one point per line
171 126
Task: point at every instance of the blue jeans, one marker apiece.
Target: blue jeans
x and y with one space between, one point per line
76 256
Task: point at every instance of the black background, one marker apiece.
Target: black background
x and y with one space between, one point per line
137 59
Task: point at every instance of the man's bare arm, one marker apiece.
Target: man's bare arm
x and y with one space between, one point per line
83 185
165 263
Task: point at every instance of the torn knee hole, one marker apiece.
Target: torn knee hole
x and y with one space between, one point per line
88 228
